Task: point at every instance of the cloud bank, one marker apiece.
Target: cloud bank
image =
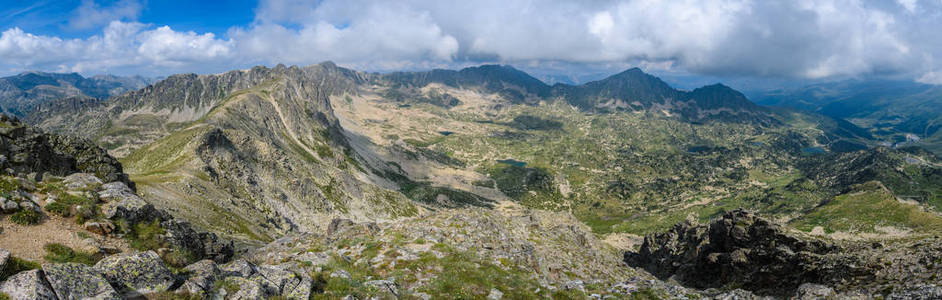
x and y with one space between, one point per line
780 39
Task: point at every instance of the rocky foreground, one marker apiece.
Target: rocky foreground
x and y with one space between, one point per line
742 250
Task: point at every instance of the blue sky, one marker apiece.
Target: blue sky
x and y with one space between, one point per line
49 17
693 40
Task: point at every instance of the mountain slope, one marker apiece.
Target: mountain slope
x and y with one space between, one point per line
19 94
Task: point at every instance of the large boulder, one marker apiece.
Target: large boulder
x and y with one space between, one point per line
78 281
28 285
141 272
81 181
238 288
122 203
201 276
277 280
200 243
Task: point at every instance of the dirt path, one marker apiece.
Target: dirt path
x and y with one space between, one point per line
27 241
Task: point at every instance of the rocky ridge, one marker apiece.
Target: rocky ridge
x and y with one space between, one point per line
743 250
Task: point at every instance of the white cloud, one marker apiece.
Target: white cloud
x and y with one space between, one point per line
791 39
120 45
89 14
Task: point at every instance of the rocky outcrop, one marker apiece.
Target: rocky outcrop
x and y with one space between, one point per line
26 150
78 281
142 272
200 243
28 285
741 249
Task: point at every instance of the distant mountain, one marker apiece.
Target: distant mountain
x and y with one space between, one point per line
897 112
631 90
635 90
21 93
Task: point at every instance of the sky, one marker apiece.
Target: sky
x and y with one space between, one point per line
700 40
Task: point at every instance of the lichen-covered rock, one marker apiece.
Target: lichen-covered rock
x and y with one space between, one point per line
28 285
238 288
142 272
200 243
132 208
78 281
384 286
809 291
201 276
29 150
238 268
114 191
81 181
278 281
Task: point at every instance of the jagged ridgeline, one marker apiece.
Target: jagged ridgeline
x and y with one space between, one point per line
254 153
261 152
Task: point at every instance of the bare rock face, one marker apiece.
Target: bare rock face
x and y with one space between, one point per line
141 272
28 150
742 249
27 285
78 281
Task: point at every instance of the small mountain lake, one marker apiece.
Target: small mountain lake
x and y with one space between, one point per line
446 133
513 162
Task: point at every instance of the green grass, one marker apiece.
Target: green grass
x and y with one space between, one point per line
16 265
867 207
59 253
26 217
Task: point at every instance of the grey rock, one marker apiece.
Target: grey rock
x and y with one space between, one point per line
133 209
278 281
247 289
918 292
114 191
384 286
340 274
200 243
28 285
495 294
810 291
201 276
9 206
238 268
78 281
29 205
142 272
575 285
4 258
81 181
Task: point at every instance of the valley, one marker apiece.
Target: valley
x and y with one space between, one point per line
491 167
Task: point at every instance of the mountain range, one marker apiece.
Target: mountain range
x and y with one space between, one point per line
272 157
21 93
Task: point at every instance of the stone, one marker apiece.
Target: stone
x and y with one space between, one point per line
279 281
4 258
740 249
78 281
202 244
246 289
28 285
201 276
29 205
238 268
809 291
142 272
115 191
9 206
495 294
340 274
103 227
384 286
81 181
578 285
132 209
